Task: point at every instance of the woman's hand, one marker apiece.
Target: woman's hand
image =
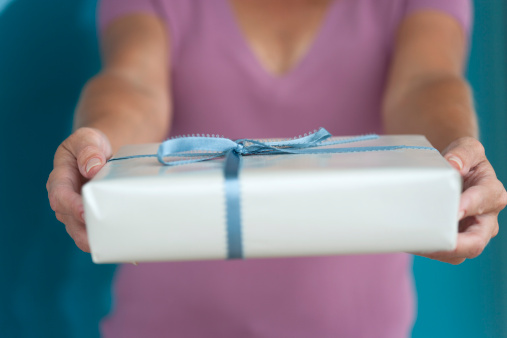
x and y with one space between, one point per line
482 199
76 161
128 101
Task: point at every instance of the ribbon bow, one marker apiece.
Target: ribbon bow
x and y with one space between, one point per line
202 148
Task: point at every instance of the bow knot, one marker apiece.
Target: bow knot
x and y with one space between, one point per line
240 148
198 148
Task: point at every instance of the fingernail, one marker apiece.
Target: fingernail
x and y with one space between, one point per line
461 214
455 162
92 163
82 217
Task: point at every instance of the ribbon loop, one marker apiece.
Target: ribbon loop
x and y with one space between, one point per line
201 148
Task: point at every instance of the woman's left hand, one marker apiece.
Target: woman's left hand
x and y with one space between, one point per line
483 197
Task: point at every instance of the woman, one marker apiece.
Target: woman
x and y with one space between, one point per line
277 68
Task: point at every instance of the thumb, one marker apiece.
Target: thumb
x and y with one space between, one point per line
464 154
455 161
91 162
91 149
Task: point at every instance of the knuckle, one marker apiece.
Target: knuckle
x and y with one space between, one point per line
476 249
496 229
468 146
60 217
54 200
87 152
59 200
86 133
79 243
48 183
82 243
477 146
503 199
480 204
53 176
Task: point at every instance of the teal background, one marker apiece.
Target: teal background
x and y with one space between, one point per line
48 288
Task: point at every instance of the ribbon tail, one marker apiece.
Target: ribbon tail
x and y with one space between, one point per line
232 197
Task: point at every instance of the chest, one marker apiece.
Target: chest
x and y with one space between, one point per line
279 32
220 85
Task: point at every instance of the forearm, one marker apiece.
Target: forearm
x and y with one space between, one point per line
126 111
441 109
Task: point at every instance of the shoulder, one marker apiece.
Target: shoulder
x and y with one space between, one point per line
459 10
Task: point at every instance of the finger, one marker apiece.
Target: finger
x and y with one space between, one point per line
60 217
464 154
453 261
90 148
63 192
77 231
441 256
481 199
67 202
476 236
471 243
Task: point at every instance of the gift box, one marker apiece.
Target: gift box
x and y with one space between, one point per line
272 198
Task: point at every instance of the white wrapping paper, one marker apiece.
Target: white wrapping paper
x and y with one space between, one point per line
291 205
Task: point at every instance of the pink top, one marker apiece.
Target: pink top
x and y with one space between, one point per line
220 87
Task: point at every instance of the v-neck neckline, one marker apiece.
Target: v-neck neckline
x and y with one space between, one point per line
236 34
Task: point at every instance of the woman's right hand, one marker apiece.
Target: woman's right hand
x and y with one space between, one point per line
129 99
76 161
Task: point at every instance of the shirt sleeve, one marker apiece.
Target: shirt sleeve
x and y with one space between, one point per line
109 10
461 10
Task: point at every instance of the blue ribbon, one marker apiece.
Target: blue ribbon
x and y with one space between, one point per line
202 148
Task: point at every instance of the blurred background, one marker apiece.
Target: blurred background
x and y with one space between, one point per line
48 288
